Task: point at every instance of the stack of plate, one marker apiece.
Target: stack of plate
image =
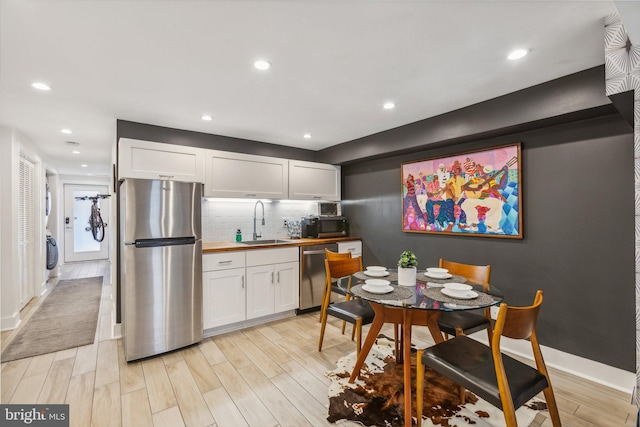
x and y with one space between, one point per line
458 290
376 271
377 286
437 273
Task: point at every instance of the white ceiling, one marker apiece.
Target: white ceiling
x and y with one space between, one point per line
334 64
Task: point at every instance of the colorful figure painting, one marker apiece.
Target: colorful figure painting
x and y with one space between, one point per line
475 193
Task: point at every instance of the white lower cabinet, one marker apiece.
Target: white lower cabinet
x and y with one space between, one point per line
272 286
223 294
244 285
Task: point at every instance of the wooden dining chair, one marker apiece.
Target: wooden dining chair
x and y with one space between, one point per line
501 380
354 311
335 287
467 322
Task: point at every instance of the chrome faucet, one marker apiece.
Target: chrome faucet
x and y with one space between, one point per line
255 208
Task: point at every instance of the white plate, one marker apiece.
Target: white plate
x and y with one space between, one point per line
437 271
446 276
376 268
459 295
378 289
376 273
434 285
458 287
377 282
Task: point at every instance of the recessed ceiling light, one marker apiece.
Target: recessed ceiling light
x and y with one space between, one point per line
517 54
67 131
75 152
262 65
84 166
306 136
40 86
206 118
389 106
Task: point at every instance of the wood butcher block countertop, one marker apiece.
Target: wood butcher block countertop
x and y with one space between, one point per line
212 247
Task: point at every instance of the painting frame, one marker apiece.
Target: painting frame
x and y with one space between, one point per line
472 193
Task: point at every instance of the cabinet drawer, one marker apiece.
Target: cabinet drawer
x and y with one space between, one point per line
223 261
272 256
355 247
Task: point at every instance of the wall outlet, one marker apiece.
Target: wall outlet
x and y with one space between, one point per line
285 222
494 312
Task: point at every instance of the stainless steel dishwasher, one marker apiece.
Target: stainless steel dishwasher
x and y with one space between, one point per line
312 275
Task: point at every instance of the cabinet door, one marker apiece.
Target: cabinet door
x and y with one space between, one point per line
223 297
287 288
315 181
260 284
244 175
153 160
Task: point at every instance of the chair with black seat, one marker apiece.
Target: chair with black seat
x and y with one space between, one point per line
497 378
335 286
354 311
467 322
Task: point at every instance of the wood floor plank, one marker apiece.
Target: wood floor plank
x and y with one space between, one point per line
80 399
131 374
136 410
173 357
266 344
286 414
107 369
28 389
224 410
107 406
258 357
250 406
159 387
312 384
233 354
54 389
86 359
170 417
11 376
212 352
200 369
40 364
195 411
315 412
65 354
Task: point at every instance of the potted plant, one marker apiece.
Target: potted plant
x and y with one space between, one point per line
407 269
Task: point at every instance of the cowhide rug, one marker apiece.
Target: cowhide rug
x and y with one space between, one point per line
376 399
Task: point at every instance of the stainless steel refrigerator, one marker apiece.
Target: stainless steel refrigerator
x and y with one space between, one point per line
160 266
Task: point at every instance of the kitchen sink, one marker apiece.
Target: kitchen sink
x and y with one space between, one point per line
264 242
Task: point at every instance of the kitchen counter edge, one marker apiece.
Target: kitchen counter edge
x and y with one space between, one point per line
213 247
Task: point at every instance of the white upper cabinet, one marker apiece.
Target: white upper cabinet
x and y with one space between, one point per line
313 181
244 175
153 160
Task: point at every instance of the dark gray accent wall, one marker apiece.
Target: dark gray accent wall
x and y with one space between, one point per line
578 246
147 132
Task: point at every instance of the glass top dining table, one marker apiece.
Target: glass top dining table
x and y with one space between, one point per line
409 306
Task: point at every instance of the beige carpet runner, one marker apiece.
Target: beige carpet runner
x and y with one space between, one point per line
67 318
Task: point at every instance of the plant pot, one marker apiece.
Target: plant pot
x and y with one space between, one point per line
407 276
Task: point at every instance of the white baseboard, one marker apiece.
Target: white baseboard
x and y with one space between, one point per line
8 323
609 376
247 323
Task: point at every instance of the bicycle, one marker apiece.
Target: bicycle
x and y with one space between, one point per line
96 224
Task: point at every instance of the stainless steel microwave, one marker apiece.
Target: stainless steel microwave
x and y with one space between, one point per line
329 209
335 226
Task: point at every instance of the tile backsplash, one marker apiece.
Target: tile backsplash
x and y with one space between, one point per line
221 218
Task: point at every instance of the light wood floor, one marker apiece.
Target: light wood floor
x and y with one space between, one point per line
269 375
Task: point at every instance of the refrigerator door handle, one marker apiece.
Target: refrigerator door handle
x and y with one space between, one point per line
152 243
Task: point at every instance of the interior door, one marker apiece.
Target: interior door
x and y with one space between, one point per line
79 244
